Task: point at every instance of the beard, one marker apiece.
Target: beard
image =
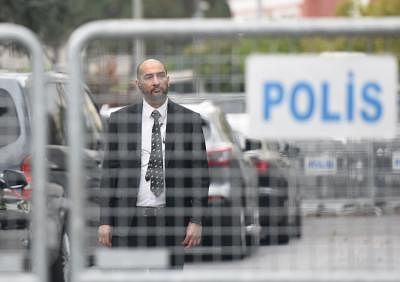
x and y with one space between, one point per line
159 97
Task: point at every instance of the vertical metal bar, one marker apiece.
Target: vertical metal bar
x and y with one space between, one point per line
138 43
39 129
39 180
371 172
76 141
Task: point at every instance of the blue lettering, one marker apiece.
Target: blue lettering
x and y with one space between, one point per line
320 164
302 87
326 114
350 97
372 101
301 98
271 100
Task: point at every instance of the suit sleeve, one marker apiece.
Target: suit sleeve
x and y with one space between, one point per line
109 176
201 178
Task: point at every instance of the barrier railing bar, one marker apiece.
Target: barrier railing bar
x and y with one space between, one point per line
223 275
39 177
229 28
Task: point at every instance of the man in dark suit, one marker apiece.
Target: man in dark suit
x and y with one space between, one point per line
155 171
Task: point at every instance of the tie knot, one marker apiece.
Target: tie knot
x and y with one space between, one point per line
156 115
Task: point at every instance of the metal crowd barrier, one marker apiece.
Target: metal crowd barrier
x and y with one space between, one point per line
22 35
198 31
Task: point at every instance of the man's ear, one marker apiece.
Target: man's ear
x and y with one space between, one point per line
139 84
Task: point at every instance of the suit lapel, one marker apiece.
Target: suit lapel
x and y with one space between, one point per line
170 132
135 132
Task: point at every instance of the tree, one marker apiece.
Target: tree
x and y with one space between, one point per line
183 9
375 8
54 20
347 8
45 17
237 50
382 8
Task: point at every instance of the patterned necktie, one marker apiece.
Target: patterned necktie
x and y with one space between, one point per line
155 171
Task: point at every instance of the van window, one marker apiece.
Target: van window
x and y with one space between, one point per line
225 128
9 125
206 129
92 124
56 116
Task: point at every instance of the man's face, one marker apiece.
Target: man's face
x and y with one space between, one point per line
153 82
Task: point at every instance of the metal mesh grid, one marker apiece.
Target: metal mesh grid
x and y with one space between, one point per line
342 221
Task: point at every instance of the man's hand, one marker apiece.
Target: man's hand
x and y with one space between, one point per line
104 234
193 235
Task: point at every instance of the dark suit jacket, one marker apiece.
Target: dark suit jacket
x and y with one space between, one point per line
186 167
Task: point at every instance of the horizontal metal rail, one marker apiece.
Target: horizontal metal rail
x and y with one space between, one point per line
225 275
20 277
229 28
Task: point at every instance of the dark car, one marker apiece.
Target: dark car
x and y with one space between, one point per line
232 214
279 198
16 152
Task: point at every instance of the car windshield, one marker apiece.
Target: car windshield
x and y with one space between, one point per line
9 125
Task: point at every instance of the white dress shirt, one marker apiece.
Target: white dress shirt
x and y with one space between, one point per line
146 198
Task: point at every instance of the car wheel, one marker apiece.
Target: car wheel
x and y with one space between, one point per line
234 236
243 243
298 226
277 226
60 270
284 227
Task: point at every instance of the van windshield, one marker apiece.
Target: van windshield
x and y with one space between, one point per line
9 125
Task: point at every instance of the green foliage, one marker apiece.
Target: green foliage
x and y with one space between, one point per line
217 9
45 17
346 8
54 20
167 8
245 46
382 8
183 9
377 8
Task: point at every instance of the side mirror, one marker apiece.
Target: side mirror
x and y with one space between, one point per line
3 184
15 179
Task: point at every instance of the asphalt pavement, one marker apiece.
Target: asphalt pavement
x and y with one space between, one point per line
330 243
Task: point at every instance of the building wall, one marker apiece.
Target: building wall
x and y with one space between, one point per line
320 8
275 9
250 9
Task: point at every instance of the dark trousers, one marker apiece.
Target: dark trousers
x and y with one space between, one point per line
153 232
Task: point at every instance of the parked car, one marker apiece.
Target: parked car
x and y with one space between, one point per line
279 203
15 150
232 217
15 215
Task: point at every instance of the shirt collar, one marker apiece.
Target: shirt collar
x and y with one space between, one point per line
147 109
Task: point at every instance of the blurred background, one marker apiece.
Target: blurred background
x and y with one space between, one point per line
296 217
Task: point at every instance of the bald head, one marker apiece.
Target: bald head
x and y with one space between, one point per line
143 64
153 81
